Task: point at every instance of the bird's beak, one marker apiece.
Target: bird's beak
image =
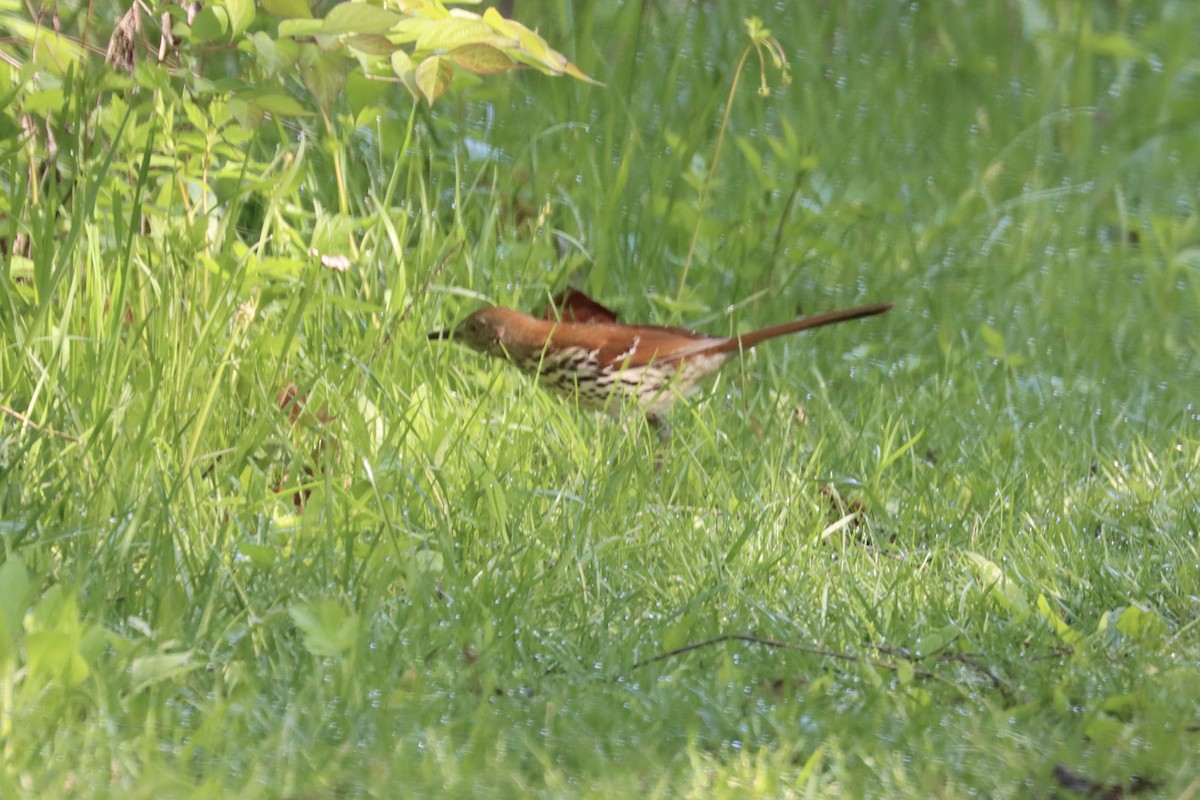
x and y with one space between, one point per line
446 334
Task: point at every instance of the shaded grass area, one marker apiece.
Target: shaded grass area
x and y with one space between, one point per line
995 479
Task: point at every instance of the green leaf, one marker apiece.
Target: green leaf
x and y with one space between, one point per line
1104 732
324 74
993 340
454 32
287 9
1134 622
1114 44
481 59
53 656
372 44
260 555
159 667
210 25
40 102
935 641
409 30
997 348
279 104
677 635
241 15
14 597
267 53
298 28
359 18
328 629
1004 589
1064 631
53 52
532 49
433 77
405 70
366 95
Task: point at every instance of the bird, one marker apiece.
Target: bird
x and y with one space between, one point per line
579 350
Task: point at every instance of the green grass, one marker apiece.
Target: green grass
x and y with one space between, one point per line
466 603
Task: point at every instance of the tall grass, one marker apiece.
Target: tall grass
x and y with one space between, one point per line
969 525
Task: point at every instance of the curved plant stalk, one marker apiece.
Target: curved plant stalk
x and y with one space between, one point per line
760 40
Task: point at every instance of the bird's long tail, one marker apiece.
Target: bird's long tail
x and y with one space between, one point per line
736 344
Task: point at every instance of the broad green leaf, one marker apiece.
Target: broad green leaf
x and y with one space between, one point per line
260 555
51 51
328 629
1104 732
287 9
533 49
359 18
241 15
210 25
275 267
152 669
481 59
997 348
451 33
402 63
1064 631
1117 45
405 70
409 29
14 596
433 77
280 104
297 28
40 102
324 74
728 672
1135 622
267 52
372 44
1003 588
362 93
993 340
54 655
935 641
153 76
678 634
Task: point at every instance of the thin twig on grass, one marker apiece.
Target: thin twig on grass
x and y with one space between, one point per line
17 415
776 643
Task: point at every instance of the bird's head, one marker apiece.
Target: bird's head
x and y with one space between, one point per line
484 331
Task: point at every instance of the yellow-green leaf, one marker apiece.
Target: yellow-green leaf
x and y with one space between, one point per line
14 594
372 44
433 77
1064 631
241 14
359 18
324 74
481 59
1003 588
159 667
329 630
455 32
287 9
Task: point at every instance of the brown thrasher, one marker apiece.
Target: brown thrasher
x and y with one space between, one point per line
578 349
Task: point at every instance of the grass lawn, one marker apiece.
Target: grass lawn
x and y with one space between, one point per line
261 538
